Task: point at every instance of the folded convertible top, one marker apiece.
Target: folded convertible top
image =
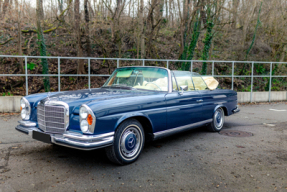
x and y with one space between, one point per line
211 82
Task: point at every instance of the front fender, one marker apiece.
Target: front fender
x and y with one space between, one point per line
131 115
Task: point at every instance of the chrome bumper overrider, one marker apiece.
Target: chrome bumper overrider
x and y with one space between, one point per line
236 110
73 139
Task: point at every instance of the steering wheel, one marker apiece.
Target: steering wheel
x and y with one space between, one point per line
153 84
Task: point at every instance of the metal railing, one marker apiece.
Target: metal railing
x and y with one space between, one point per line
143 61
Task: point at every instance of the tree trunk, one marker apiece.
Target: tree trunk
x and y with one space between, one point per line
166 9
170 19
91 10
20 37
246 23
203 13
61 9
283 54
87 19
81 67
42 45
129 11
4 8
42 11
235 4
142 32
0 8
158 4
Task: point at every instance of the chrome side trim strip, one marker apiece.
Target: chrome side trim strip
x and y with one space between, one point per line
172 131
219 96
27 123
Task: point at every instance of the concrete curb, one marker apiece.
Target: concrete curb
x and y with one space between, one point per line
244 97
12 103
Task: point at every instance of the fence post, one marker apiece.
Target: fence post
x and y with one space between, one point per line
191 66
270 82
26 76
118 63
251 91
89 71
212 68
232 75
167 62
143 62
59 75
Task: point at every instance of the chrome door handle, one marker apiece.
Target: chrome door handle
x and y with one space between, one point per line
198 101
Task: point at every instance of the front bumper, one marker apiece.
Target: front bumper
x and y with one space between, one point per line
73 139
236 110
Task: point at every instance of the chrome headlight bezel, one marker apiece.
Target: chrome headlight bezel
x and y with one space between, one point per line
26 109
88 110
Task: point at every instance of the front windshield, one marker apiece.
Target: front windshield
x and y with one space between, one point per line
148 78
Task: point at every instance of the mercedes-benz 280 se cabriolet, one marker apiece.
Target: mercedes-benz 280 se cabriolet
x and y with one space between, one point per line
135 104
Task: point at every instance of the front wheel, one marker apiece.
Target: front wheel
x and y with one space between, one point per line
128 143
217 120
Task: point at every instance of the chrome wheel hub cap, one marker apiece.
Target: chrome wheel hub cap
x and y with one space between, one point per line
218 118
130 142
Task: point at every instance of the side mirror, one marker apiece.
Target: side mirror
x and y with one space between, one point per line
183 88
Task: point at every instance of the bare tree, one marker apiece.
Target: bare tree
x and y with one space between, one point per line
42 44
87 31
19 9
4 8
81 67
142 31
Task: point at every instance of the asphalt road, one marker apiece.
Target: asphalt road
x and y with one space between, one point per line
196 160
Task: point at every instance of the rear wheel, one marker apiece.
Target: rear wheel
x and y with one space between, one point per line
217 120
128 143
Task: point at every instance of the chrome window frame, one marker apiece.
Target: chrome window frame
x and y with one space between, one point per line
169 87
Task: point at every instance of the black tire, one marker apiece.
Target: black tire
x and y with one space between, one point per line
217 120
128 143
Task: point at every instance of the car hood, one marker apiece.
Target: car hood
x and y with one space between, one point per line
76 98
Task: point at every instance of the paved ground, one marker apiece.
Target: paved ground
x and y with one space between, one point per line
192 161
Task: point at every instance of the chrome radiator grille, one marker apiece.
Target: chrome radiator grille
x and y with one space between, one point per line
51 118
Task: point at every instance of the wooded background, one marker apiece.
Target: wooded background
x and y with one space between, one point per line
158 29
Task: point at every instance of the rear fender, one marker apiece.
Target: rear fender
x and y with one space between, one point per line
224 109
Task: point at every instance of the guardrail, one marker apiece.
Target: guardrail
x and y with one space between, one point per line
143 61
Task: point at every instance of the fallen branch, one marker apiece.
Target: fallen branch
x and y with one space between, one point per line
35 31
7 41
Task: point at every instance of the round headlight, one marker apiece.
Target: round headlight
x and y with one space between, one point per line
84 126
22 104
25 109
23 113
83 112
87 119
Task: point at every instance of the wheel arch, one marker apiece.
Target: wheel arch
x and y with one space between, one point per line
223 107
144 121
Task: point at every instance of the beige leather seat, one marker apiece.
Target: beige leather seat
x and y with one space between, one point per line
185 80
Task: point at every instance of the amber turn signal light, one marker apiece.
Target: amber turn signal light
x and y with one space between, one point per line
90 119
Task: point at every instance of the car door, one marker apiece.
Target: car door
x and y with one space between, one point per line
209 98
183 107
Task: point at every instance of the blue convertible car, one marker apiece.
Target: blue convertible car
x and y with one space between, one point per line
136 104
